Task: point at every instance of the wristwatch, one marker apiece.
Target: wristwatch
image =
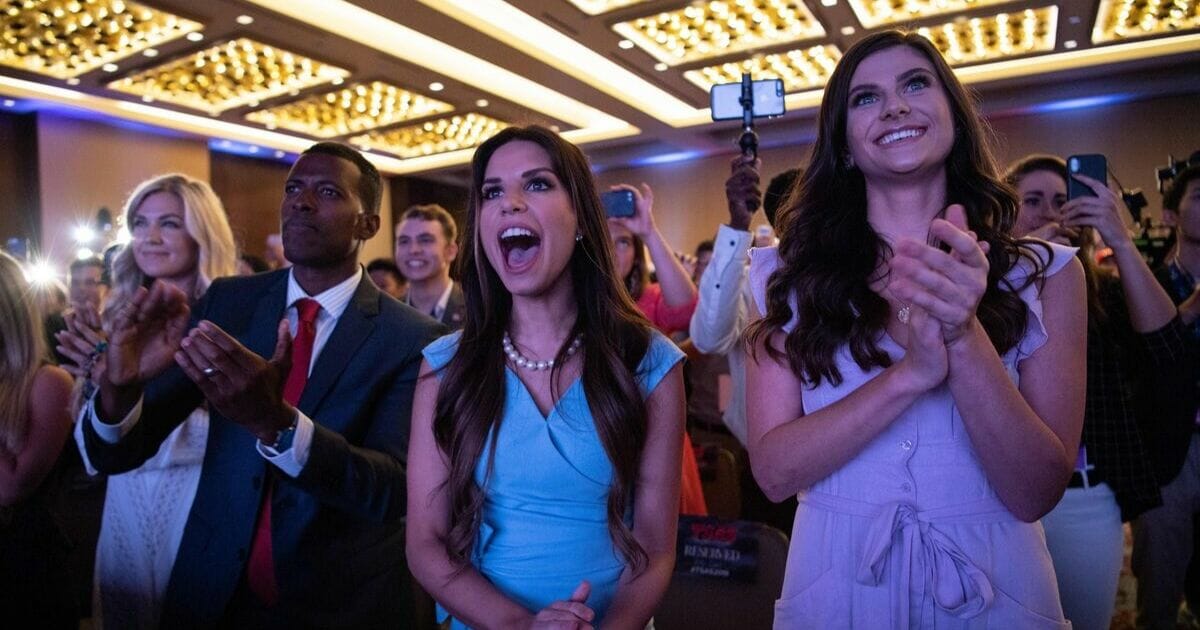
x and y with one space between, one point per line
283 438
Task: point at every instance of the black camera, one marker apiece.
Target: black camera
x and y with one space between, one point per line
1167 174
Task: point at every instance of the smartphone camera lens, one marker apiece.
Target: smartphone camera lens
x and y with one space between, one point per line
1073 165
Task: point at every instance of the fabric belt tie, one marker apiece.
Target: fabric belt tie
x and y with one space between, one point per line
959 586
260 570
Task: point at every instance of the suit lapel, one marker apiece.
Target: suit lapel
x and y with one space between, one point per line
264 326
353 327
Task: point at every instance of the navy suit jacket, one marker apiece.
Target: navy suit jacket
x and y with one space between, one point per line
337 529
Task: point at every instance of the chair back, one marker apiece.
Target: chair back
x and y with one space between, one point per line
728 574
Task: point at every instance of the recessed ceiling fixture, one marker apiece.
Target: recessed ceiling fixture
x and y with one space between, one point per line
625 44
244 20
996 37
353 109
802 69
1128 19
716 28
436 86
432 137
483 102
596 7
228 75
195 37
68 38
872 13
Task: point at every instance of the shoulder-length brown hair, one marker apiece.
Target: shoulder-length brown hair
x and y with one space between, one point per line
830 253
470 399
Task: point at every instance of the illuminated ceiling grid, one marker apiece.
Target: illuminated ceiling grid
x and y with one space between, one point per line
436 136
1127 19
803 69
233 74
354 109
996 37
872 13
67 38
718 28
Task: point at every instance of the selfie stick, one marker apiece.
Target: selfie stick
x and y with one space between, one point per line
749 140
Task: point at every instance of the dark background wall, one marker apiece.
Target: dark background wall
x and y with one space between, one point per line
20 208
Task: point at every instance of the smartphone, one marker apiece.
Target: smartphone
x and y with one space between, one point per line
767 99
618 203
1091 165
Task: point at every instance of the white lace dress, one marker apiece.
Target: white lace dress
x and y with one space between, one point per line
145 511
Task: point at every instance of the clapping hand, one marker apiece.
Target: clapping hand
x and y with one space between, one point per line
948 286
145 333
238 383
571 614
84 343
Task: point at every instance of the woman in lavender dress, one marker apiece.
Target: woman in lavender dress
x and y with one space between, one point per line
918 375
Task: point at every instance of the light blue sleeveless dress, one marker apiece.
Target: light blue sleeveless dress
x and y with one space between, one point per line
910 533
545 523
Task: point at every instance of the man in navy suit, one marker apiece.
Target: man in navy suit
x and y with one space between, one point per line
308 374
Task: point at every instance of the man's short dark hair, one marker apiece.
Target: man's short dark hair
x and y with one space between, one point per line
384 264
1174 195
90 261
704 246
434 212
370 184
777 192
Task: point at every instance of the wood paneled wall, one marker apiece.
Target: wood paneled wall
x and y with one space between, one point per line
20 208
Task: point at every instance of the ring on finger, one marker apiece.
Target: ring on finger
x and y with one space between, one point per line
209 371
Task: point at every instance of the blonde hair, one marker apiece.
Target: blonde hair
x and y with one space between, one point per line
22 351
206 222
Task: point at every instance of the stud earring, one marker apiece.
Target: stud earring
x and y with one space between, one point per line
578 237
848 161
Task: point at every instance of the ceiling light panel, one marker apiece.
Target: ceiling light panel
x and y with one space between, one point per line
803 69
430 138
354 109
997 37
233 74
596 7
711 29
67 38
1126 19
872 13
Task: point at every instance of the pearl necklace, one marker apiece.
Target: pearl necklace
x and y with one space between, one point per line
529 364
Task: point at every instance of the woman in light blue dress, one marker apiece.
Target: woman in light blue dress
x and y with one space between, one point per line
545 451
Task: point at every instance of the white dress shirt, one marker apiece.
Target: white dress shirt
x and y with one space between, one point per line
723 313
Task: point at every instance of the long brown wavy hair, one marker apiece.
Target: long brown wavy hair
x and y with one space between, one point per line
615 339
830 253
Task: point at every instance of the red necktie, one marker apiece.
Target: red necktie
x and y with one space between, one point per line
260 573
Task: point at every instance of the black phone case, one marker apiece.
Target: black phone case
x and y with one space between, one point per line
1093 165
618 203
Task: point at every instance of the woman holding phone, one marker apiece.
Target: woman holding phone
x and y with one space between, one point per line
917 377
1136 346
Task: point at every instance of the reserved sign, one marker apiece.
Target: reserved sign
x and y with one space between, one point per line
716 548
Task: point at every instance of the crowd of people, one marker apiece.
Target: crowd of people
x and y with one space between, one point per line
959 405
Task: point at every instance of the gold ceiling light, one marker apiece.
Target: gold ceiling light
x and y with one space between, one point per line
997 37
66 38
354 109
1126 19
228 75
802 69
436 136
596 7
872 13
711 29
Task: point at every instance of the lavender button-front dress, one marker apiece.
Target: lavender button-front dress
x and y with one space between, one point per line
910 534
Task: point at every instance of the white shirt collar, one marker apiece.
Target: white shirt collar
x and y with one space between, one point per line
333 300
